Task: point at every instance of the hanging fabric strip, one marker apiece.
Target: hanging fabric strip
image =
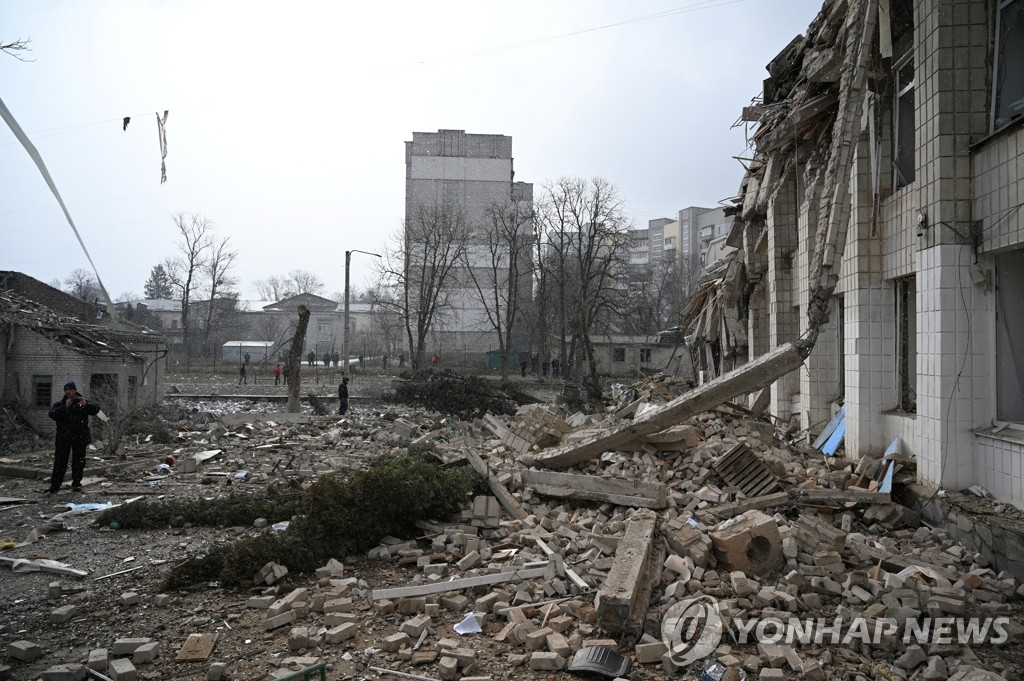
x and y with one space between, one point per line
162 131
8 117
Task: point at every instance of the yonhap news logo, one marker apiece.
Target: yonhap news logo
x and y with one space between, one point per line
692 629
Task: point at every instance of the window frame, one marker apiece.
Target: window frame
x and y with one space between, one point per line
1000 7
39 401
618 354
903 176
645 355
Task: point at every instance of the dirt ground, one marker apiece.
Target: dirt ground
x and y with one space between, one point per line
144 558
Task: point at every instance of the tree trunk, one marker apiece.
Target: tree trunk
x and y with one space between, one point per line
295 360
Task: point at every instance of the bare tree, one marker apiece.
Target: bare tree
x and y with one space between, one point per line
499 268
421 268
222 296
185 270
588 241
652 302
271 288
301 281
82 285
294 283
15 47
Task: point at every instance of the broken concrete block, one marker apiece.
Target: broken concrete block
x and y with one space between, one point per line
649 653
121 669
464 656
161 600
24 650
216 671
396 642
415 626
146 653
771 674
541 661
749 543
912 658
129 598
298 638
470 561
63 614
537 639
288 602
455 603
260 602
623 598
448 668
342 632
64 672
98 659
128 646
278 621
556 643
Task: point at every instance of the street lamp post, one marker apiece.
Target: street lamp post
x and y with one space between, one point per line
344 333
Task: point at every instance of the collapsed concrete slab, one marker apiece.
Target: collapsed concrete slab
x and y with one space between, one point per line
750 377
634 493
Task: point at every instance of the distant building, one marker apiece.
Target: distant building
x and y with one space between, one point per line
474 172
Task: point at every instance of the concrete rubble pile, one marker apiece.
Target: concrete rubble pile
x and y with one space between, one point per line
593 555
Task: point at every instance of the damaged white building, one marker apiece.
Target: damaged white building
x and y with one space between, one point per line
880 219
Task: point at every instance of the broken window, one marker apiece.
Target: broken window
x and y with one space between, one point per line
1008 68
618 354
1009 336
133 389
906 343
42 390
904 127
645 355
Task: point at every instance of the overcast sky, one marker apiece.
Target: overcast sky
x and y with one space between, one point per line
287 120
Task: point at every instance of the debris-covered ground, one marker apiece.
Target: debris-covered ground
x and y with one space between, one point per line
539 565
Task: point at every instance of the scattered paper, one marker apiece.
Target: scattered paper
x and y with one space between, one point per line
469 625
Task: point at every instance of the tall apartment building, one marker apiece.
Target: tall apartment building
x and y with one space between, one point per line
472 173
692 241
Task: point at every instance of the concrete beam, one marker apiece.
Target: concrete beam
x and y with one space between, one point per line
623 598
752 376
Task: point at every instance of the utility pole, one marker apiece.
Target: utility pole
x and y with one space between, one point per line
344 334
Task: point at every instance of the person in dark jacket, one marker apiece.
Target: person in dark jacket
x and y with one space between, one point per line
72 416
343 396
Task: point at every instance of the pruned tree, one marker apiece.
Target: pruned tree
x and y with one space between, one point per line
653 300
185 270
587 238
421 268
82 285
498 266
158 286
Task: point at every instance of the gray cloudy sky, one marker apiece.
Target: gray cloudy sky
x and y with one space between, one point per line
287 120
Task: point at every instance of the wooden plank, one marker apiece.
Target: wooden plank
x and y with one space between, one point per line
457 584
43 567
752 376
505 498
611 489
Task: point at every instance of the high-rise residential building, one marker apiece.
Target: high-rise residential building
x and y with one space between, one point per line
470 174
692 241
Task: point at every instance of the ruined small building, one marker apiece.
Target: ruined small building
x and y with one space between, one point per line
881 219
48 337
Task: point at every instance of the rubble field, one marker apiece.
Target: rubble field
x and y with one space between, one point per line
575 560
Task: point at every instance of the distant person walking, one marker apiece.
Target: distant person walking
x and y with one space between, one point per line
72 414
277 374
247 358
343 396
284 371
360 361
241 375
434 359
311 358
334 359
384 362
401 360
